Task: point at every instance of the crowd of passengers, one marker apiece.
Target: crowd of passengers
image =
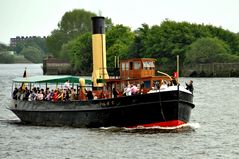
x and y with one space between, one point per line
133 89
23 93
69 93
40 94
65 94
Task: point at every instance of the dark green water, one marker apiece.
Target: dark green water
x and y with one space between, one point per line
212 132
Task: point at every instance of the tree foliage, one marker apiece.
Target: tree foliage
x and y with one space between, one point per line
5 57
55 42
72 39
207 50
138 49
171 38
3 47
119 38
79 53
76 22
36 42
195 43
32 54
33 49
73 24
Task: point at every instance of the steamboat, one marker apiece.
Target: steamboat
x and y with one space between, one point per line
136 98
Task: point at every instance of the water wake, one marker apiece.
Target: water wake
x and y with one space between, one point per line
189 127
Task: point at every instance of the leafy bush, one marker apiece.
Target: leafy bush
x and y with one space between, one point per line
32 54
207 50
5 57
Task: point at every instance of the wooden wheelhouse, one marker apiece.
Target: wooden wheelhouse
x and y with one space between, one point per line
137 71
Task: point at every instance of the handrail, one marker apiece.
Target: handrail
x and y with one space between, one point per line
165 75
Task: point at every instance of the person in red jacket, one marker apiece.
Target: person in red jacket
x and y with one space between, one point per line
55 96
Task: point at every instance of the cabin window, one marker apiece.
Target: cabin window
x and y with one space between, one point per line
146 65
131 65
126 66
152 66
123 66
137 65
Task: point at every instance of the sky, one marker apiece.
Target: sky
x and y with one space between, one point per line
40 17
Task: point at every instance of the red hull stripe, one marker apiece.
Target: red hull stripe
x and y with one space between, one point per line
172 123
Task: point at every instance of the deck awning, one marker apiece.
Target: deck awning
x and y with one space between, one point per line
50 79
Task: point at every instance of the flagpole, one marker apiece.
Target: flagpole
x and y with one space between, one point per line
178 68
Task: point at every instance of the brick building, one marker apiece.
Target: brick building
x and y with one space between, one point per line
17 39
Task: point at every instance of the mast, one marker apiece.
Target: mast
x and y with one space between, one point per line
178 68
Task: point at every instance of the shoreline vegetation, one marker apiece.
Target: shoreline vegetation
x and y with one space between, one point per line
204 50
8 58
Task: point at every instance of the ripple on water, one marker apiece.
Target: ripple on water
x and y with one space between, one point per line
216 136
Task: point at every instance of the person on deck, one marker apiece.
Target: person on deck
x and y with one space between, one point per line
33 95
40 95
89 95
189 86
169 83
67 85
163 85
142 87
134 89
48 95
14 94
27 94
128 90
67 95
157 85
55 96
61 95
72 94
115 93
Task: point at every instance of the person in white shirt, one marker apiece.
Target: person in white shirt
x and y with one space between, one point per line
40 96
128 90
67 85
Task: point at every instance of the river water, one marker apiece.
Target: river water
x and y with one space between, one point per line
213 130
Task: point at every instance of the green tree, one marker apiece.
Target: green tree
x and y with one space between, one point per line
35 42
231 39
5 57
138 48
79 50
83 55
162 42
76 22
119 38
19 47
207 50
55 41
72 25
72 40
118 49
79 53
3 47
171 38
108 23
32 54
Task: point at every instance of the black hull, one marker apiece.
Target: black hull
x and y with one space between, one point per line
122 112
